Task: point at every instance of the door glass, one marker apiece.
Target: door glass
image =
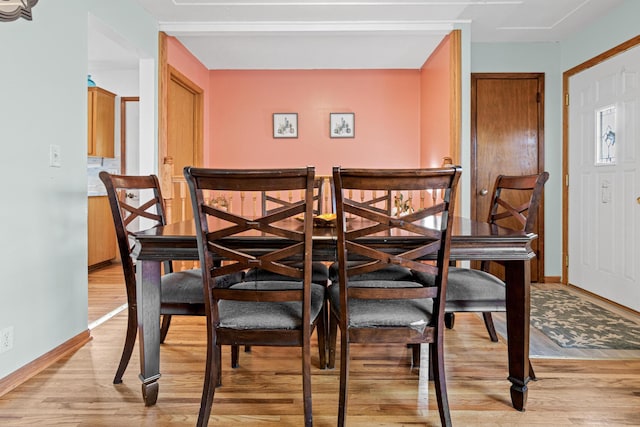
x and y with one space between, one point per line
606 136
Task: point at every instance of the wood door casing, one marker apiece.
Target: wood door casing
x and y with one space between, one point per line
181 123
183 131
507 128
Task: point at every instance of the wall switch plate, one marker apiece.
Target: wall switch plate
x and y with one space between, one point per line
55 158
6 339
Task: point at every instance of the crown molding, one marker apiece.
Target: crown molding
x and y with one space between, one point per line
194 28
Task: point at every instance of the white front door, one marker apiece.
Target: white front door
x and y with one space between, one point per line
604 186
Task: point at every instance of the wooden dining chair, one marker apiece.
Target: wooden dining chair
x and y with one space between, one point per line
258 312
136 203
388 309
514 204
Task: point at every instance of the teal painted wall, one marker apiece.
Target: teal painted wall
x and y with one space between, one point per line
554 59
43 220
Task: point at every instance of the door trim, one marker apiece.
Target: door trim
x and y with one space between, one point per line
123 130
635 41
540 77
167 74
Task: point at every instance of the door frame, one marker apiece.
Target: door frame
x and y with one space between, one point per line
631 43
167 73
123 130
540 77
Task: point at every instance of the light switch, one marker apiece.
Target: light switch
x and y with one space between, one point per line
55 159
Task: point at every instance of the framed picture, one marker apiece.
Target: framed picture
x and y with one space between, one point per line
342 125
285 125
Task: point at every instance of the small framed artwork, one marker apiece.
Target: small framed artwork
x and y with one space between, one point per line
342 125
285 125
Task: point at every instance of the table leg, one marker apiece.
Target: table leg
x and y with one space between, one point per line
148 298
518 278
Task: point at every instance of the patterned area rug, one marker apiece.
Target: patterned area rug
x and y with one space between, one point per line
572 322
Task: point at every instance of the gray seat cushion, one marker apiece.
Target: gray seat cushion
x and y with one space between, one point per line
268 315
319 274
186 286
471 290
413 313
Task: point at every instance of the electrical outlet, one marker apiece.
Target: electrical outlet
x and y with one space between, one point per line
6 339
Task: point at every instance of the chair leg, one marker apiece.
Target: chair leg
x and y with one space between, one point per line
532 374
437 355
219 364
333 336
306 385
415 355
488 323
432 363
164 329
321 330
234 356
449 320
344 379
129 342
211 378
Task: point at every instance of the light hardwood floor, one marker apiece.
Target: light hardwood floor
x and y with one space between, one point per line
266 388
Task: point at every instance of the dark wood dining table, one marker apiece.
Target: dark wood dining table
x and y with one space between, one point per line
471 240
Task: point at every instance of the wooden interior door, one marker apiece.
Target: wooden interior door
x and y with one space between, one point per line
184 134
507 139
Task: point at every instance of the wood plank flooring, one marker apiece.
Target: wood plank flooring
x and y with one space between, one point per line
266 389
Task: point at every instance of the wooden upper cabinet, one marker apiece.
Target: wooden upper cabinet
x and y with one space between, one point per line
101 116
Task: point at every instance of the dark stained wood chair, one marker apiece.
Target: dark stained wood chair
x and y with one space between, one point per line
261 311
514 204
181 292
385 308
273 201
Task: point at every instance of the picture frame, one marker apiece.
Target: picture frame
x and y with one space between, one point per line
285 125
13 10
342 125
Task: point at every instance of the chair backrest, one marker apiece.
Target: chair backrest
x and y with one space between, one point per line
376 200
272 201
363 231
513 196
124 193
230 242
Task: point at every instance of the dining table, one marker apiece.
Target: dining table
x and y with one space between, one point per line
470 241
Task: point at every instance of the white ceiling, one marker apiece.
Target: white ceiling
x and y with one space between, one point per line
339 34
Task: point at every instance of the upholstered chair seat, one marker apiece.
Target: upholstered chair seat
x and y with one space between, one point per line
471 290
185 287
268 315
369 313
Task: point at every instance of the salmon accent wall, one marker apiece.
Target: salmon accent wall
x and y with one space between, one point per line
386 104
402 117
435 106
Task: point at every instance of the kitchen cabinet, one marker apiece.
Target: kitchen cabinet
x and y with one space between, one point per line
101 232
101 116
